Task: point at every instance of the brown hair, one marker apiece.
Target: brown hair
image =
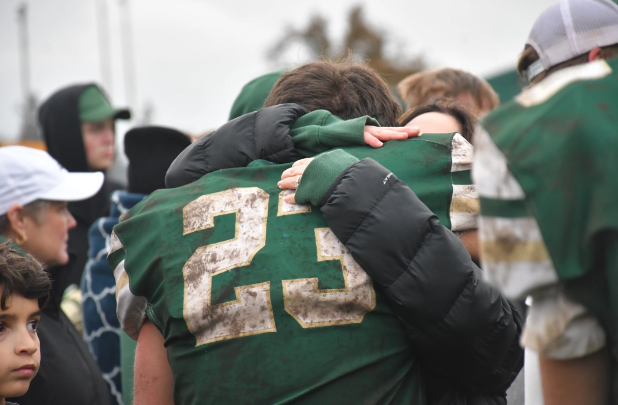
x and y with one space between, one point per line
456 109
422 87
530 55
22 275
345 88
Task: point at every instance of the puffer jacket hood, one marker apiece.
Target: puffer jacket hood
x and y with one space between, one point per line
263 134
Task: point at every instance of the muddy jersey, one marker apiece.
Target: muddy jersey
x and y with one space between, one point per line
258 301
437 168
547 175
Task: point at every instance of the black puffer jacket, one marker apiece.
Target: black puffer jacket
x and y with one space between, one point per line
465 332
263 134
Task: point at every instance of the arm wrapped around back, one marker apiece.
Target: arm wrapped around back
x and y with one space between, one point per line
465 331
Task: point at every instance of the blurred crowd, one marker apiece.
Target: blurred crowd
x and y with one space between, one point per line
524 256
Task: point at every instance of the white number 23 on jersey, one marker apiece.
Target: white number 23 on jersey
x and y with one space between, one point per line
251 312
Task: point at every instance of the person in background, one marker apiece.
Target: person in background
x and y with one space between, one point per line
546 170
34 191
24 291
78 126
150 151
542 55
471 90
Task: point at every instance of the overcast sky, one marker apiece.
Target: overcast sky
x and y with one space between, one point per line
192 57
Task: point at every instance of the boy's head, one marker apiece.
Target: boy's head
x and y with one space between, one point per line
569 33
24 289
98 119
423 87
346 89
78 125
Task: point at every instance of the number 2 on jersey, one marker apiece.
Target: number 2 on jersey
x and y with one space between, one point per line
251 313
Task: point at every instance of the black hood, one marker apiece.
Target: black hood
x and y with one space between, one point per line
62 131
61 127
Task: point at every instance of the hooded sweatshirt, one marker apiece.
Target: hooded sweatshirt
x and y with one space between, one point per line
254 94
61 127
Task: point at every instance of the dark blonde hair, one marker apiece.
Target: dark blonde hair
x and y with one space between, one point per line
346 88
21 274
530 55
456 109
422 87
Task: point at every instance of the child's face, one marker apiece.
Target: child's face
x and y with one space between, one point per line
19 345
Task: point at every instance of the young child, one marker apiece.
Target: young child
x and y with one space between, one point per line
24 289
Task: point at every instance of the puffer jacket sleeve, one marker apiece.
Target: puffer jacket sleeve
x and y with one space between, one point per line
263 134
464 331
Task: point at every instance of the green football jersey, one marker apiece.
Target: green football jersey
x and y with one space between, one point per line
258 301
437 168
547 175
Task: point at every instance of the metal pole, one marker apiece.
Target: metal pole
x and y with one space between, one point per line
104 45
24 54
28 131
127 53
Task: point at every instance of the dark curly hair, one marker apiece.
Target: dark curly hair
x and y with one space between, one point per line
21 274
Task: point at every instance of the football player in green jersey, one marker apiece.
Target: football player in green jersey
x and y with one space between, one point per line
545 169
257 301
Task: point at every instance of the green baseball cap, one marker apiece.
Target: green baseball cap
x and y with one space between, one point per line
95 107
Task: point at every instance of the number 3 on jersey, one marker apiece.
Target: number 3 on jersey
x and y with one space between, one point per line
251 313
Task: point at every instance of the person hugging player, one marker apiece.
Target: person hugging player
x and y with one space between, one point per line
24 290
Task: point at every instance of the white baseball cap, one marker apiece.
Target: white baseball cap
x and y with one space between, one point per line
571 28
28 174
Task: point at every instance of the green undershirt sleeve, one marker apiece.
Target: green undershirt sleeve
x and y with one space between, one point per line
321 174
320 131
